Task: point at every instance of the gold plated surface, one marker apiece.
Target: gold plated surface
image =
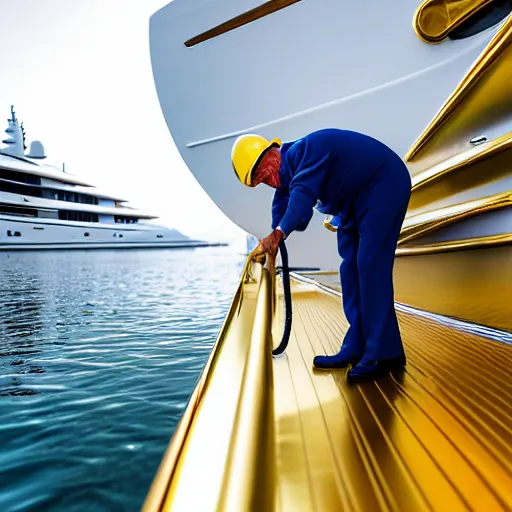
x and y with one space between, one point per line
248 482
434 19
472 285
461 165
466 182
230 407
418 225
265 434
456 245
240 20
480 101
481 153
435 437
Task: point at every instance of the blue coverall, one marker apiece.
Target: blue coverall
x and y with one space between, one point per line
367 185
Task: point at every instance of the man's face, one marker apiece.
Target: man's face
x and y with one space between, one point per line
267 171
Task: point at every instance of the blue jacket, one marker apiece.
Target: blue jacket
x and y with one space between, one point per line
327 169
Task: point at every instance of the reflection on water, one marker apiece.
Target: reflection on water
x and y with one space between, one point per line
99 352
21 323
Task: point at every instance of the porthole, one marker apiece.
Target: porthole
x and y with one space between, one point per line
483 19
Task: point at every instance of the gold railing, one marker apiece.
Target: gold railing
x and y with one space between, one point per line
456 245
435 19
481 100
221 456
462 160
424 223
249 477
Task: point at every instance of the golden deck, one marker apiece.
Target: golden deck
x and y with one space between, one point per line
263 433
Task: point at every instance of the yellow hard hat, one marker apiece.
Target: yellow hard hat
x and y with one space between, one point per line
246 154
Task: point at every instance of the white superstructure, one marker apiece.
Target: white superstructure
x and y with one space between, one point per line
43 207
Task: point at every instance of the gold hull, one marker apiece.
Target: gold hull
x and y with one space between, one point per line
473 285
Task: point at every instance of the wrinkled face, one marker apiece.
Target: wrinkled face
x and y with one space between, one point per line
267 171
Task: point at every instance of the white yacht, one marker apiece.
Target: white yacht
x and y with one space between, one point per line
44 207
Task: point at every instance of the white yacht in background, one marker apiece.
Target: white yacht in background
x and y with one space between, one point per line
44 207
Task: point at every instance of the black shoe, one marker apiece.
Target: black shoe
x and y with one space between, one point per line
335 361
371 370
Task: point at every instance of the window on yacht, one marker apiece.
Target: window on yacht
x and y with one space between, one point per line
15 210
78 216
19 188
120 219
19 177
48 214
483 19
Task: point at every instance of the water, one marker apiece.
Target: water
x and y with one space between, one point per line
99 353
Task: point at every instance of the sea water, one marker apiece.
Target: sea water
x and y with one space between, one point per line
99 353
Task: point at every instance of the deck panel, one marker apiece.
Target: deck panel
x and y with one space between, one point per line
436 436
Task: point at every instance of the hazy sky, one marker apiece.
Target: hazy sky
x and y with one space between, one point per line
79 75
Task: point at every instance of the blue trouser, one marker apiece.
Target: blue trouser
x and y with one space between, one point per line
367 240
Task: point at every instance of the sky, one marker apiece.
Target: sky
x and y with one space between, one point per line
79 76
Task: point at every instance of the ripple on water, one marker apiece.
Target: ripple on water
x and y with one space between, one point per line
99 352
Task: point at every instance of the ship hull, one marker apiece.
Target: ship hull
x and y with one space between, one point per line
445 109
40 234
296 70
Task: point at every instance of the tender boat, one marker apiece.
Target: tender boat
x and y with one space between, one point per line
432 81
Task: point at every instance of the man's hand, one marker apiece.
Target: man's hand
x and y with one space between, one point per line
268 245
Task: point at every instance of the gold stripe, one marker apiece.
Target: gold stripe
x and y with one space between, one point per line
435 19
424 223
459 161
243 19
493 50
456 245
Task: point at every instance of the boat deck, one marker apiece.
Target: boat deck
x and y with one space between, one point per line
271 433
437 436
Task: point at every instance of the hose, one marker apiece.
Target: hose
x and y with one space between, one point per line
287 301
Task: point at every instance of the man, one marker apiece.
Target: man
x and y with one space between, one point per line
366 187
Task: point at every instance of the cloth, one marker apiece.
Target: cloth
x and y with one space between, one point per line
367 242
326 169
